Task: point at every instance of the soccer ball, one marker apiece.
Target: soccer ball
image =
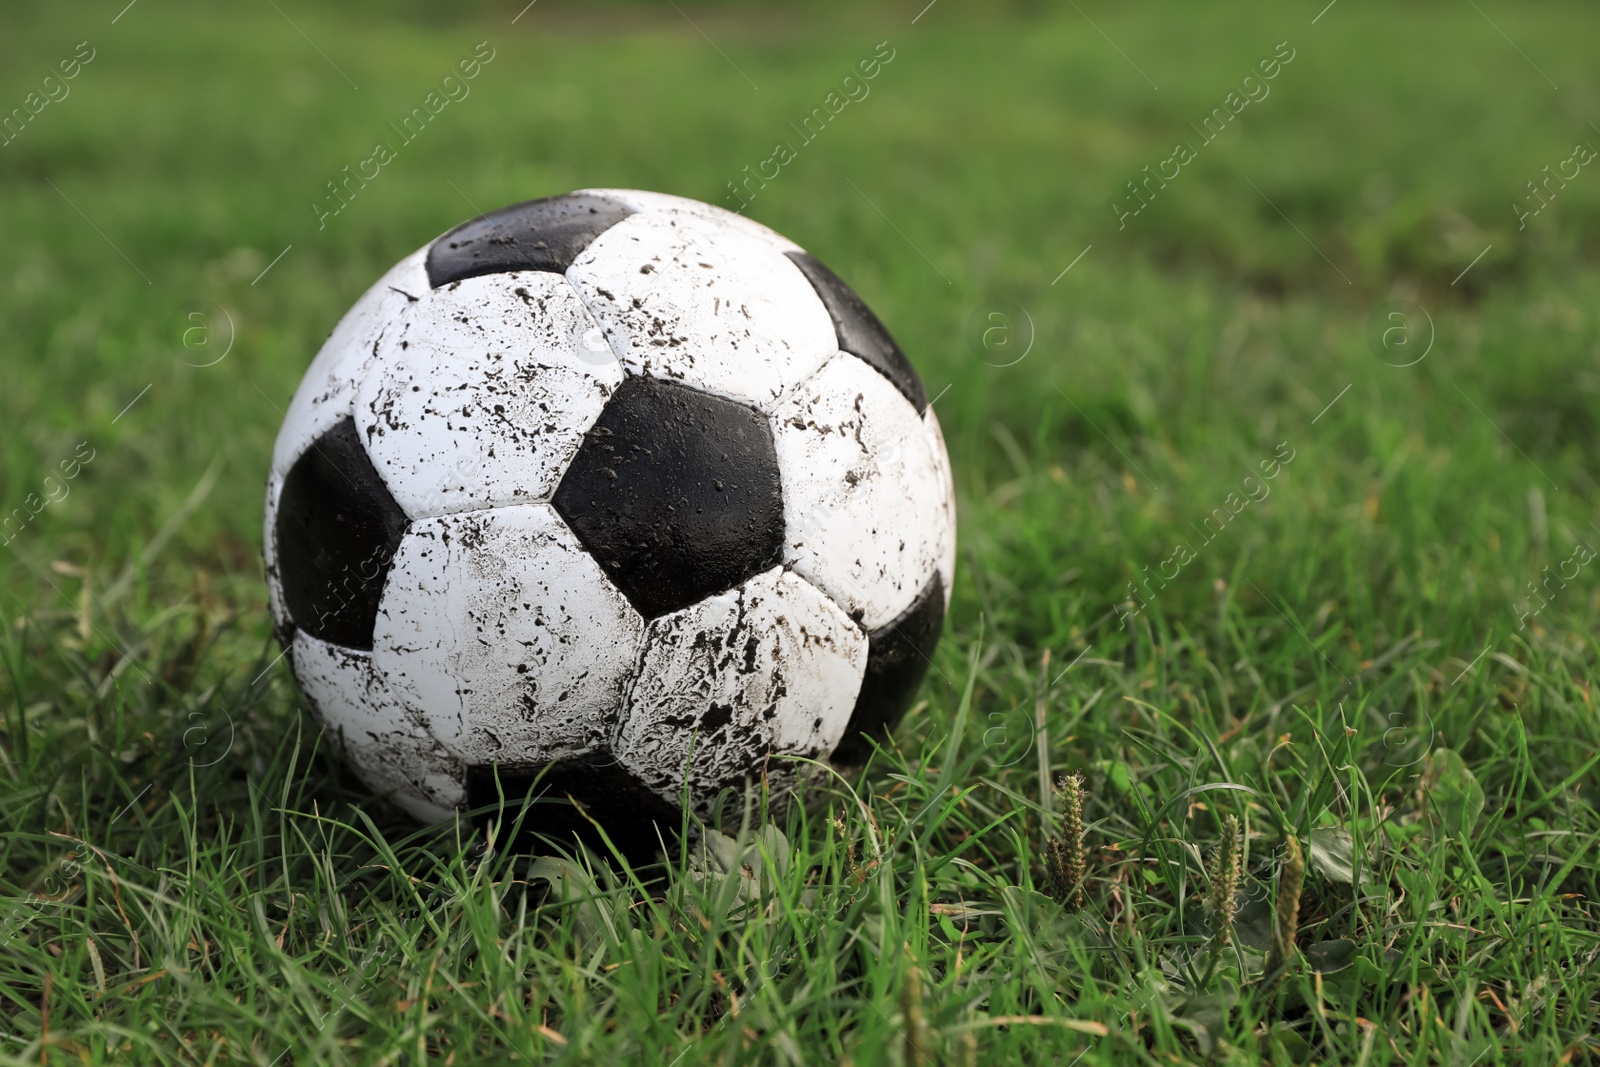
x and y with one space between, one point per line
614 497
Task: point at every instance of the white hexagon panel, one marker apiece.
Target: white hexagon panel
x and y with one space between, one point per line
504 637
864 492
480 395
772 668
706 305
945 522
392 751
282 624
666 204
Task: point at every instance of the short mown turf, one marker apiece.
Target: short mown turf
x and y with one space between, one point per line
1266 344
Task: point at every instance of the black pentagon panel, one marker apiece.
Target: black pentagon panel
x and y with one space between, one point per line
568 797
543 234
859 330
337 531
675 493
898 658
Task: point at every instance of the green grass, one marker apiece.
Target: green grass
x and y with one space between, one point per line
185 874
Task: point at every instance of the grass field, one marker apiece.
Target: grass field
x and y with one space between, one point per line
1382 656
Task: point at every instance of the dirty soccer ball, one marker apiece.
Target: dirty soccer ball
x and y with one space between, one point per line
615 497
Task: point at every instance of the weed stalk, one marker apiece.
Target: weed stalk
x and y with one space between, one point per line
1066 859
1222 890
1290 882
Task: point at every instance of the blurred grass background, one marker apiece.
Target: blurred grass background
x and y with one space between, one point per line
1396 141
1179 351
